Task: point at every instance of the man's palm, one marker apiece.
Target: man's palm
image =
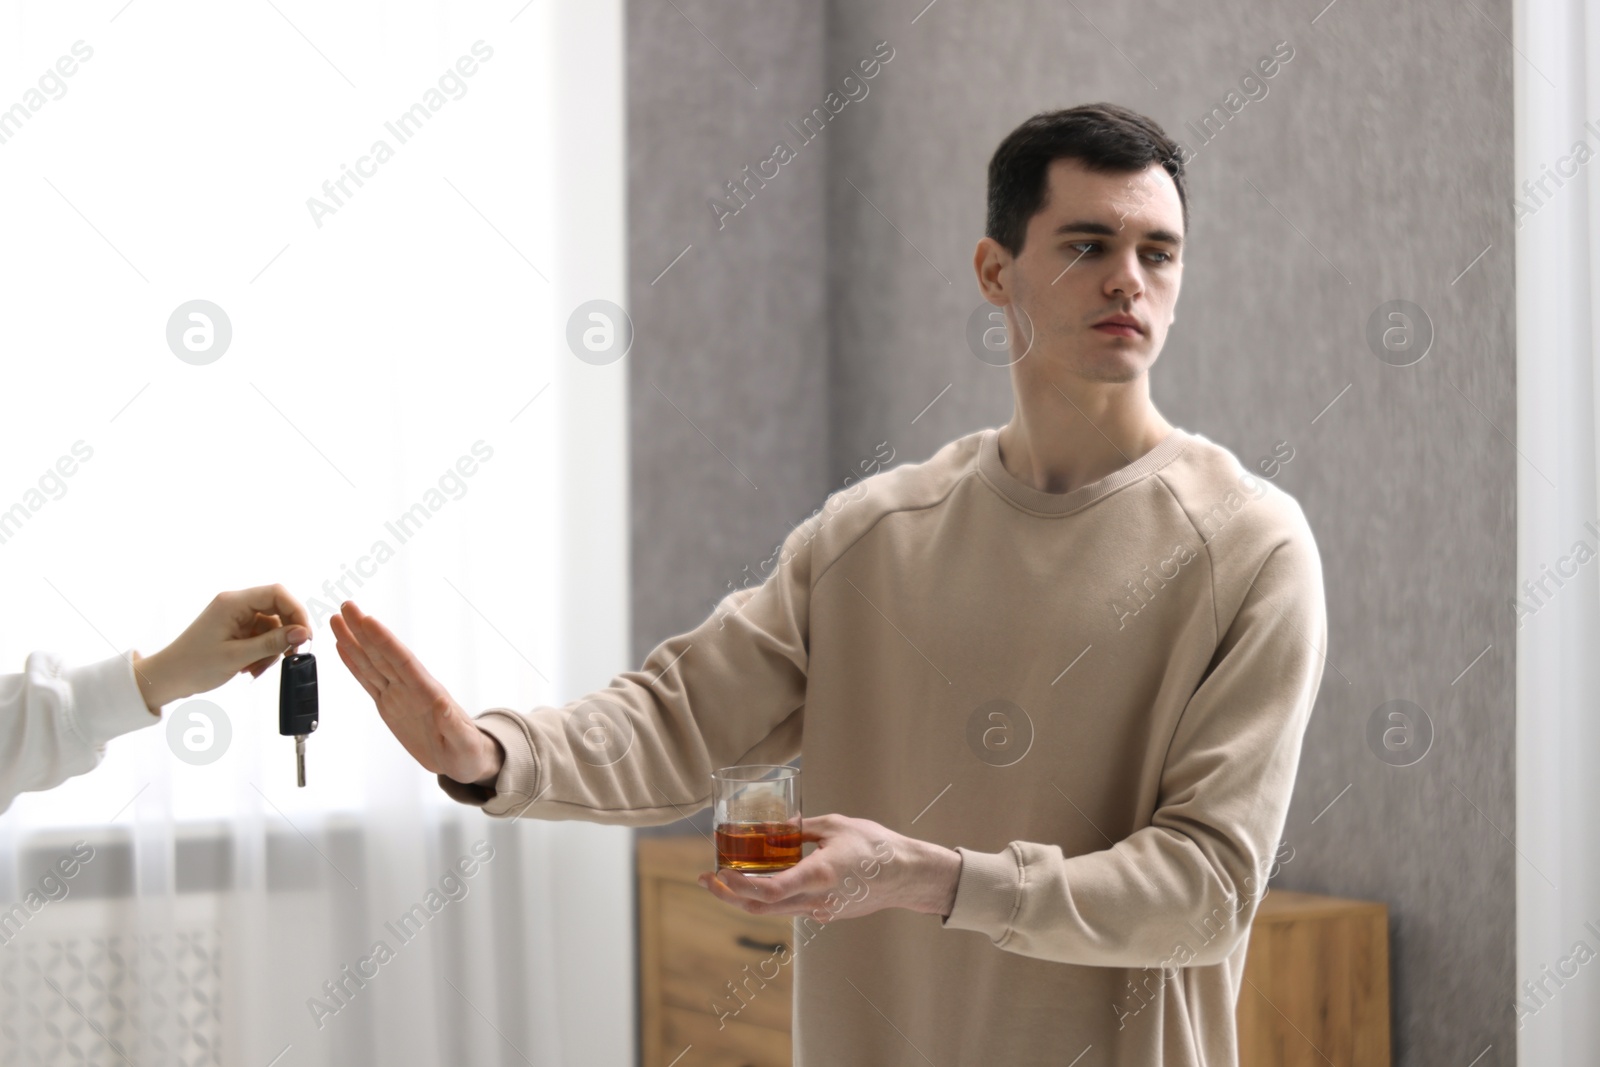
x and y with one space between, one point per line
416 708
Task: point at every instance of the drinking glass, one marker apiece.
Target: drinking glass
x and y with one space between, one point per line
756 813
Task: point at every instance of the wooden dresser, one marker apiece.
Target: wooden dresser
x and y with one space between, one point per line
1316 987
691 945
1316 976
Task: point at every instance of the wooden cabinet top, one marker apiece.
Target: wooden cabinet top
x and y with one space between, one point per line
1287 906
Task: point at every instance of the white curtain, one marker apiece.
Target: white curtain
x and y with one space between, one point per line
398 348
1557 206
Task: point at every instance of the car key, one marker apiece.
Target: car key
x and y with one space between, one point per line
297 705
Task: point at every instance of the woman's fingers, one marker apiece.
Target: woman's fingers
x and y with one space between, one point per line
273 600
255 628
259 625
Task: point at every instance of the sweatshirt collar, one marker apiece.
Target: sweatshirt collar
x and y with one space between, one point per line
1035 500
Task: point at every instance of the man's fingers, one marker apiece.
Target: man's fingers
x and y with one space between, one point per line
351 650
341 630
359 655
370 634
412 672
415 695
347 653
397 662
348 617
795 905
718 889
764 889
355 658
822 827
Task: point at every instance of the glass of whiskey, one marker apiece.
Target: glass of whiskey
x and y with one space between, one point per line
756 813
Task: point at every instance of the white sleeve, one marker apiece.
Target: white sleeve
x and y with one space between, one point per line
55 720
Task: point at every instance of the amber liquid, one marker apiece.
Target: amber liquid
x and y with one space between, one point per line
758 847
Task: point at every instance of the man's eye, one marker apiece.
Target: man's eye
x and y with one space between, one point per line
1166 257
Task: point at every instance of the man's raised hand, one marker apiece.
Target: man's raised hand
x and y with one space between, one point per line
416 708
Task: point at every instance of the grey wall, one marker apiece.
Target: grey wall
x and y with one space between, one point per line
728 376
1377 167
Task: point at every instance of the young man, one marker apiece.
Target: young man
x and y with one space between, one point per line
1079 652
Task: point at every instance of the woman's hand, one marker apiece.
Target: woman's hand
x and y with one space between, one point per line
238 632
416 708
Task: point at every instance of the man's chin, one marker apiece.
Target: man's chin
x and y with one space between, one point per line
1115 368
1111 364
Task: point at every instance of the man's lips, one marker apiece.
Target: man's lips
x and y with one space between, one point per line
1119 329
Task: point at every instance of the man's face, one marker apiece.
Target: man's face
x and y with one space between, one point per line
1102 245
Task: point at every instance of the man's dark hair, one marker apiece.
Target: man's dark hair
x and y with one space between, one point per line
1105 138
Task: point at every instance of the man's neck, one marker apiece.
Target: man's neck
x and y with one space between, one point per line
1059 440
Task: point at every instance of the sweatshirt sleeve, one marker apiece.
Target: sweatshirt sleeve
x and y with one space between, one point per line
55 720
641 751
1183 890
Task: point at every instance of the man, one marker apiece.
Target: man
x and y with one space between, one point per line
1078 652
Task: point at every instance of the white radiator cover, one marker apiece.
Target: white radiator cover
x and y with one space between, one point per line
80 986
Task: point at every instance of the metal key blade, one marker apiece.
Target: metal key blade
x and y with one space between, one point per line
300 758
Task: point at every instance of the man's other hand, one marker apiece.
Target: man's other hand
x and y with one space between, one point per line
859 867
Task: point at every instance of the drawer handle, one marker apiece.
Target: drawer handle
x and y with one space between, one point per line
762 946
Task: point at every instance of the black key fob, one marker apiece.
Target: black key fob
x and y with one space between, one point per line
297 695
297 705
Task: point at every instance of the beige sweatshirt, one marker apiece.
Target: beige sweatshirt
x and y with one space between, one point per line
1096 697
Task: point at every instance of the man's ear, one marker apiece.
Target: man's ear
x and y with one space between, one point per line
988 260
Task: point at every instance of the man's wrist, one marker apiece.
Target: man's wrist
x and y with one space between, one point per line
495 758
943 876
